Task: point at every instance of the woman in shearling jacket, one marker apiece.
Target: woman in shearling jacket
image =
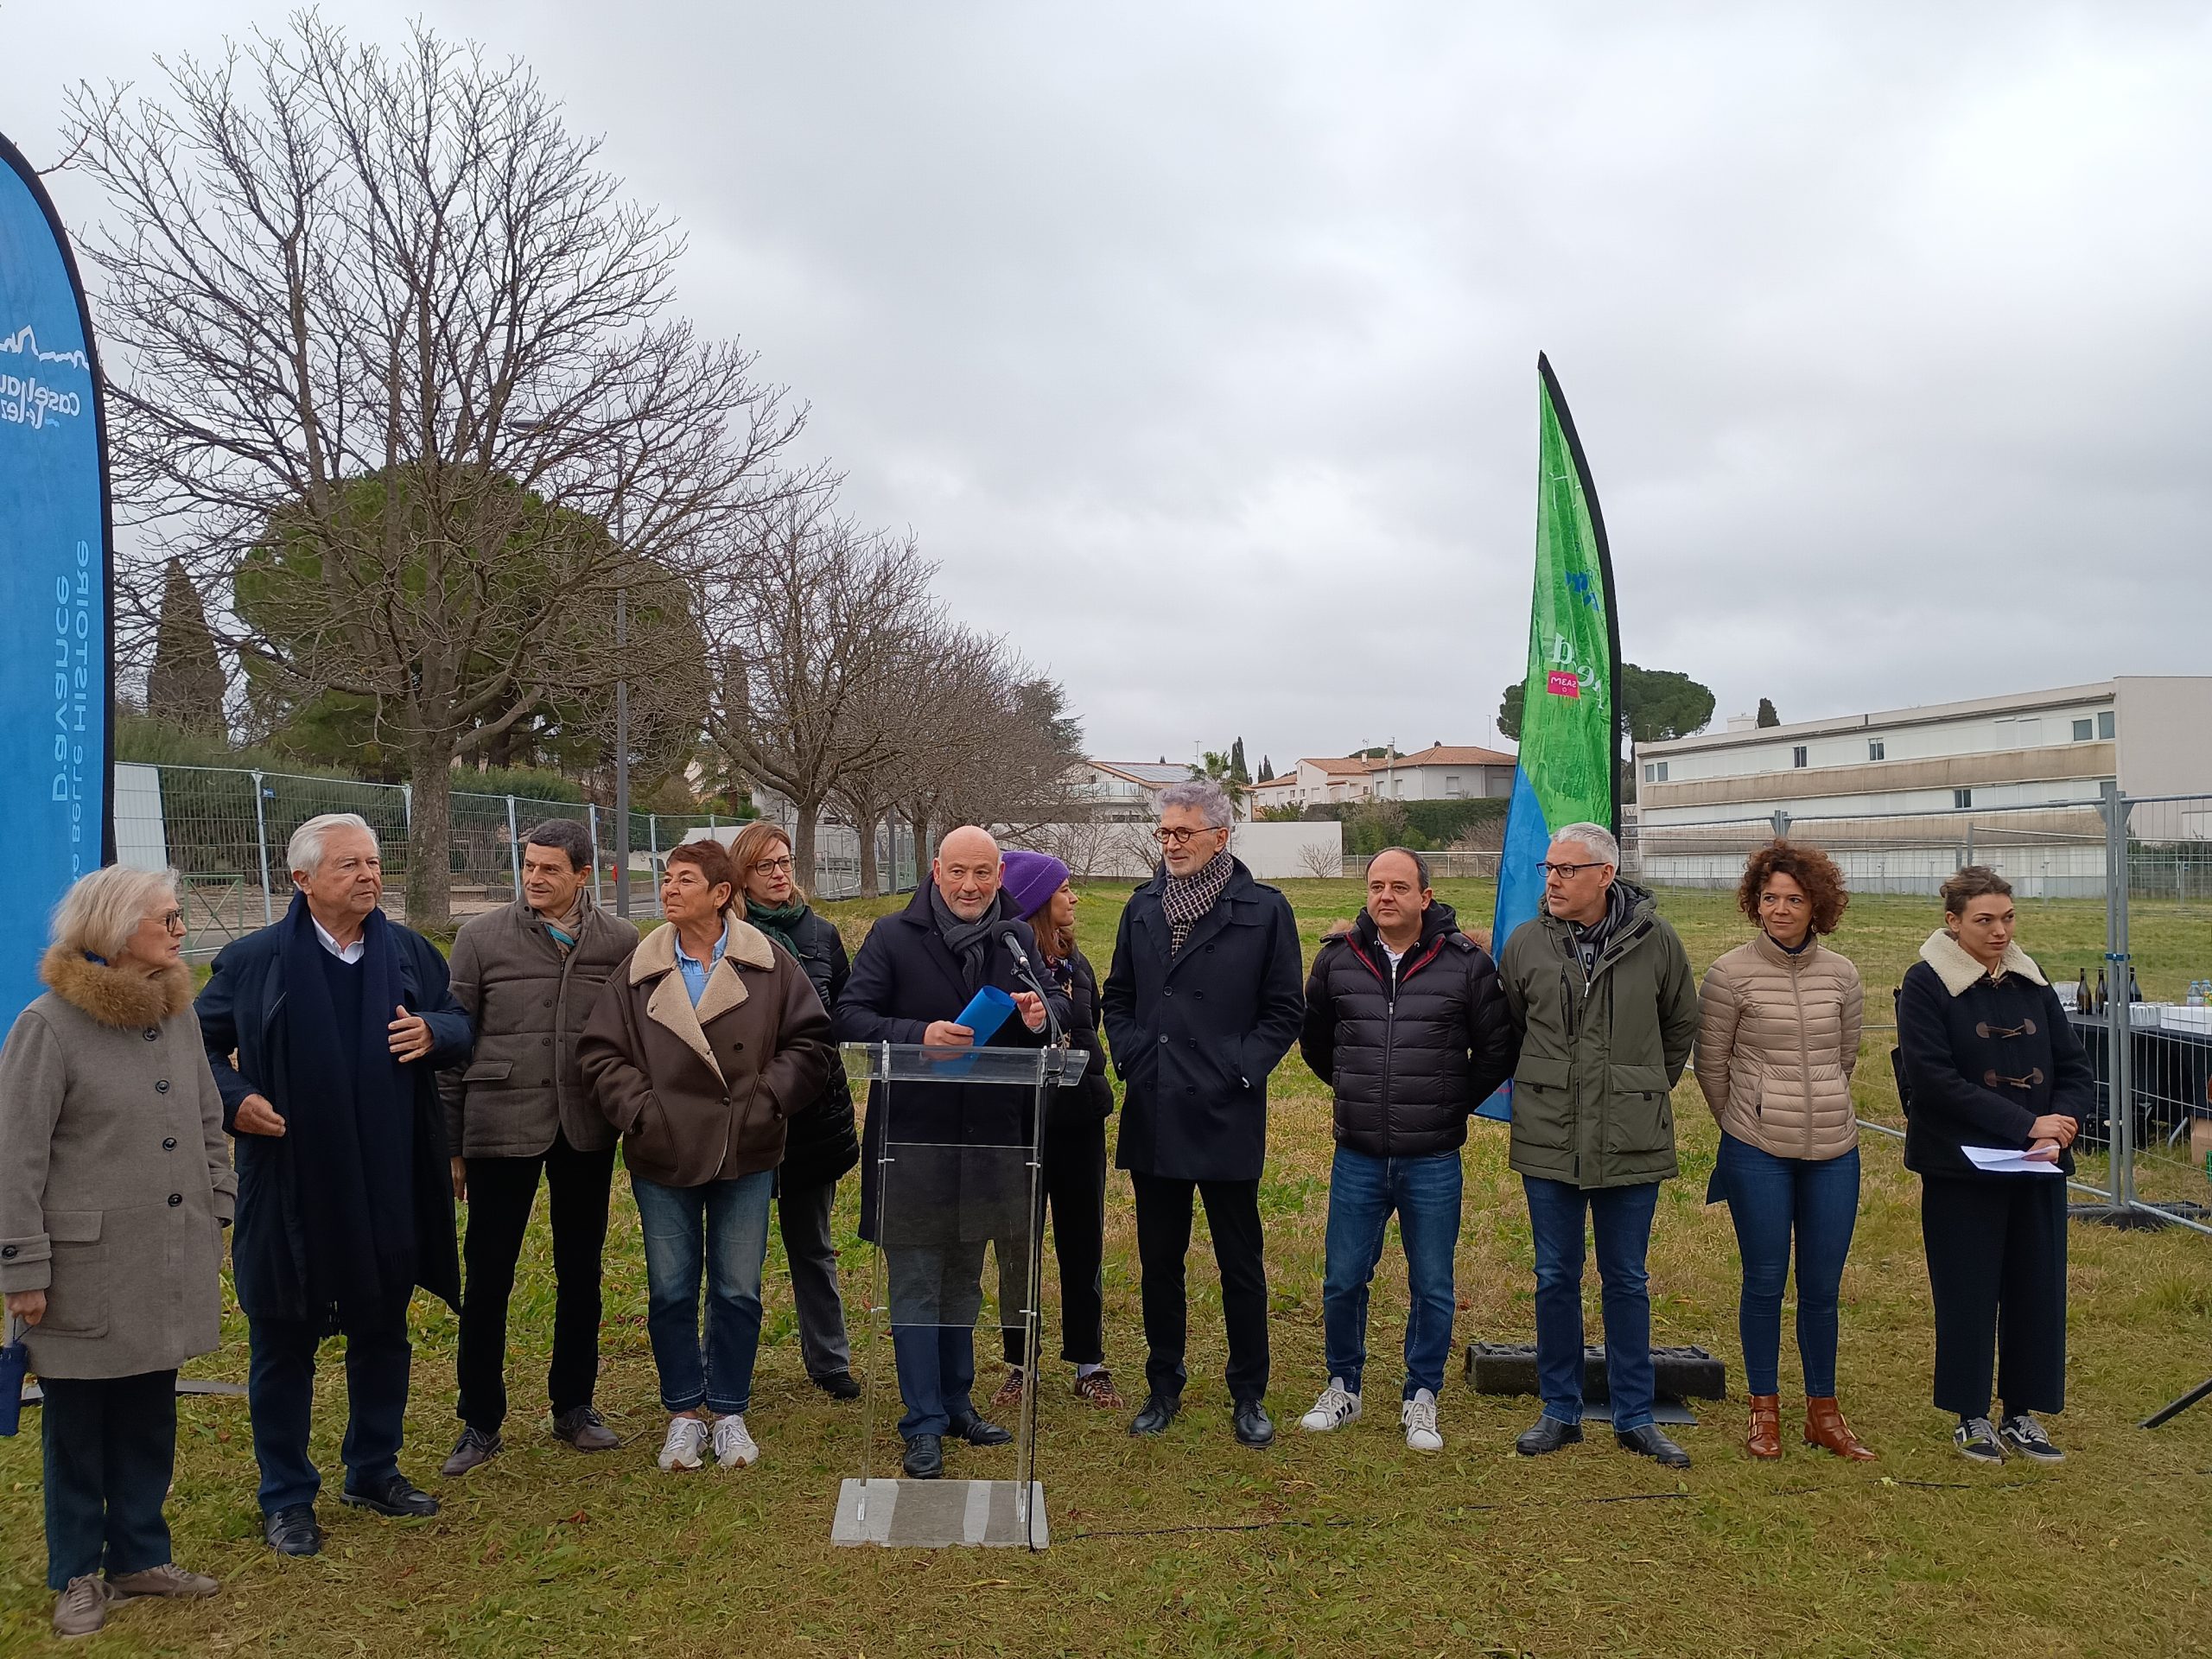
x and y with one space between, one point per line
115 1186
1990 1061
1778 1024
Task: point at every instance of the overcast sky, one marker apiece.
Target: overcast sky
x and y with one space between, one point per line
1198 342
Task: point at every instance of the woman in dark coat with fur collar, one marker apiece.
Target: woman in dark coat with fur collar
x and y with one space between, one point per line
1990 1062
115 1186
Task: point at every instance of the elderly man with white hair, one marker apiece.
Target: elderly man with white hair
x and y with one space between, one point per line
324 1032
1601 989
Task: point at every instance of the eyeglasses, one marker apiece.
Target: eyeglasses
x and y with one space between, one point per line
1180 837
172 921
1563 871
773 866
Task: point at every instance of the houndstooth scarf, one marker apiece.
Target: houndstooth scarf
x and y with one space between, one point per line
1187 898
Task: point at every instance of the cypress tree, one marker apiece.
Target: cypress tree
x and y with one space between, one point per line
186 686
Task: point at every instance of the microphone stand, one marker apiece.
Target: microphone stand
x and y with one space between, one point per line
1033 1316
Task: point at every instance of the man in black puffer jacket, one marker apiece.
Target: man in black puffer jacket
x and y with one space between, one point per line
1406 1021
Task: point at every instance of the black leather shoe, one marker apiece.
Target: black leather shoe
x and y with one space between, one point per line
293 1531
1159 1411
924 1459
1648 1442
1548 1435
1254 1426
395 1496
839 1385
981 1431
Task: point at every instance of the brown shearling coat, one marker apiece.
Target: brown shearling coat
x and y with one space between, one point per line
704 1094
115 1178
1778 1040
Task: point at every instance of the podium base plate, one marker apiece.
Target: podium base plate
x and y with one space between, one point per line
940 1515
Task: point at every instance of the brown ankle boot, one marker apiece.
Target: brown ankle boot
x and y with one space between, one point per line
1764 1440
1825 1427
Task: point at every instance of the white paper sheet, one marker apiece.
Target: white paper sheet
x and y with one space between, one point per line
2002 1160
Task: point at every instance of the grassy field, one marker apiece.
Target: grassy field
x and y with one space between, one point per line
1342 1544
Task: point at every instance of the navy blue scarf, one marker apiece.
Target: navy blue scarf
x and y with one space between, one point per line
349 1113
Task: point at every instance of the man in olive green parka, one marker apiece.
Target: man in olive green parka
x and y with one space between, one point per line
1601 989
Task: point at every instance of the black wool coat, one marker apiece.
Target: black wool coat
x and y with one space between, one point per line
824 1142
1410 1055
241 1011
1983 1060
1195 1037
960 1168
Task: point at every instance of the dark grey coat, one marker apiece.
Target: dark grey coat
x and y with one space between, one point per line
1195 1035
115 1181
530 1003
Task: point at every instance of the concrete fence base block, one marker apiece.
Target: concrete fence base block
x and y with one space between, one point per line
1679 1373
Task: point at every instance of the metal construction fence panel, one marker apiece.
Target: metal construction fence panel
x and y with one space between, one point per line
224 832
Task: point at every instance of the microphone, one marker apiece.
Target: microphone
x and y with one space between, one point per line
1013 944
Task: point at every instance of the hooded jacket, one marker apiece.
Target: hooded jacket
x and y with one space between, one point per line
1411 1051
1601 1047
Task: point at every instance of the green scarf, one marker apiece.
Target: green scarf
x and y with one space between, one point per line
780 925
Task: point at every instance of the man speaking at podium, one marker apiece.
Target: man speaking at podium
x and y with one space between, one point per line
914 975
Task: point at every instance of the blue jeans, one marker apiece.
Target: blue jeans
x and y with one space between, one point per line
1621 1217
721 1228
1768 1198
111 1448
1363 1191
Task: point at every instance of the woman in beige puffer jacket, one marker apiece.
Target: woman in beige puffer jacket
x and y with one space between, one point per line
1778 1022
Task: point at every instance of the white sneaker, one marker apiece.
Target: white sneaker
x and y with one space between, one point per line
687 1438
734 1447
1419 1416
1337 1406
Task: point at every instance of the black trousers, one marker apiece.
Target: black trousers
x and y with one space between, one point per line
501 1193
1997 1269
111 1446
1073 1188
1164 1240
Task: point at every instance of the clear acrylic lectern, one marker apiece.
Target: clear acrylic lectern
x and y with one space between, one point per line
952 1193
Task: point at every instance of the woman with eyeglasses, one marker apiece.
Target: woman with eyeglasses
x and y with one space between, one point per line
1989 1062
822 1145
115 1186
1778 1040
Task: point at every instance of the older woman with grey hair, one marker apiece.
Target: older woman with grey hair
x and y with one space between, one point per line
115 1185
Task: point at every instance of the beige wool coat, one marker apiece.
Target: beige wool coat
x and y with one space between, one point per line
115 1177
1778 1040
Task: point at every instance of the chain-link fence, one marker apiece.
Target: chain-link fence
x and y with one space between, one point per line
224 832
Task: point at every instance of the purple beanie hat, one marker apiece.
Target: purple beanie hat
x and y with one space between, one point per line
1029 879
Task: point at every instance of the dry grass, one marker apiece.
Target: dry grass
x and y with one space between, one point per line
1347 1544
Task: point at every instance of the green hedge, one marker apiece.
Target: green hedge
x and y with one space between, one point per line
1425 826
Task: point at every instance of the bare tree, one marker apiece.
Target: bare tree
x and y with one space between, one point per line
813 633
400 378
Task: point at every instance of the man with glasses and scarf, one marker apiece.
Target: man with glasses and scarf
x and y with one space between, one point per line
943 1165
1602 992
1203 1000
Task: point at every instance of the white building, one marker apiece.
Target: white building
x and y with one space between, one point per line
1125 791
1441 772
1905 796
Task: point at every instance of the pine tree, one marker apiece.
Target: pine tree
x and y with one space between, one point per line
186 686
1767 715
1237 771
1267 768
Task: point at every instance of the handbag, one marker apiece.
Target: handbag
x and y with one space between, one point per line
15 1365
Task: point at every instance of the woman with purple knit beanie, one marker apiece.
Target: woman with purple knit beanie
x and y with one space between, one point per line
1034 887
